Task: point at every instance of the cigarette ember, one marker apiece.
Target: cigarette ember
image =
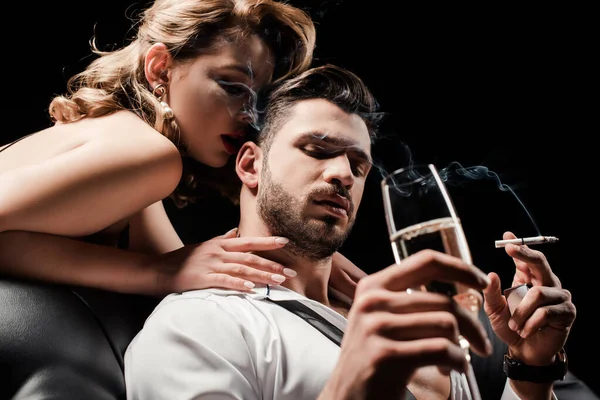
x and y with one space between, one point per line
527 240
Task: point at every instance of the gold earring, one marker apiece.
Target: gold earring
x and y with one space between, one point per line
159 92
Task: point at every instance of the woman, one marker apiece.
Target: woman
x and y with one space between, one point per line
158 118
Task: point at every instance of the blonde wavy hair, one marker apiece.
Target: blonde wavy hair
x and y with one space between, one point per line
115 80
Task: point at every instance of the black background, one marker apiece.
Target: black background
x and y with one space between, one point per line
474 86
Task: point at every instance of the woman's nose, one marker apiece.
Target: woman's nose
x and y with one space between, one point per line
246 117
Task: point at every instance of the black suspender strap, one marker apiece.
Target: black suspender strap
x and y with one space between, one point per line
331 331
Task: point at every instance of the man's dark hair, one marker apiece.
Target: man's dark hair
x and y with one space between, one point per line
329 82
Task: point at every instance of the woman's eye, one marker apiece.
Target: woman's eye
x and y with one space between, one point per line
234 89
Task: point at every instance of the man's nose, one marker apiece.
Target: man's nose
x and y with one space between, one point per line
339 171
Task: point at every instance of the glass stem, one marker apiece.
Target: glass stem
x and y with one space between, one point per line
469 376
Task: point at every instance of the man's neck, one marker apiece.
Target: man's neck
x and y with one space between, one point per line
312 280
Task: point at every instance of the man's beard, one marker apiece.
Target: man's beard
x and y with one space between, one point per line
282 214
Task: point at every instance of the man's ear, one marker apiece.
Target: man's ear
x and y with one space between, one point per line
156 65
248 164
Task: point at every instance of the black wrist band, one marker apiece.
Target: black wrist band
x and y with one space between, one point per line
520 371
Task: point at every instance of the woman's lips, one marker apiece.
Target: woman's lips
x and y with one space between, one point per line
231 144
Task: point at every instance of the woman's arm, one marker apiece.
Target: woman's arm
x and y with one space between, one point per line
151 231
222 262
67 261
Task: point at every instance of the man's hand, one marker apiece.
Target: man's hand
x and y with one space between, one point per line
394 329
540 324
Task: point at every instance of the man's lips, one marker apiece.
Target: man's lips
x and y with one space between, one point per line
337 203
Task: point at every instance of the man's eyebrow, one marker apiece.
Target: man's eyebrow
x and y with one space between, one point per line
335 141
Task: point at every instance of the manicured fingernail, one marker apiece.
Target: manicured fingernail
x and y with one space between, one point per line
281 240
278 278
249 285
289 272
512 325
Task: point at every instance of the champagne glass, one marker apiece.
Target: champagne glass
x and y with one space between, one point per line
420 215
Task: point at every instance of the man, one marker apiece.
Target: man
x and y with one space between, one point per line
303 180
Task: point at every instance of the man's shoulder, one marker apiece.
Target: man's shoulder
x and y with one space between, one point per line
205 294
258 308
204 299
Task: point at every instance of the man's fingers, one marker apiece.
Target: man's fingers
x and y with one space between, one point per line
402 302
425 266
404 316
508 235
444 318
542 298
559 317
530 262
430 351
533 262
247 243
493 297
413 326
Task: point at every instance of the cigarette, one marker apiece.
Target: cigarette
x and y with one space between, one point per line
527 240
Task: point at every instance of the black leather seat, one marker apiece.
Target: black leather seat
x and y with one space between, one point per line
59 342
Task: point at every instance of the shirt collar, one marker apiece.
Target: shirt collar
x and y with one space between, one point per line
275 293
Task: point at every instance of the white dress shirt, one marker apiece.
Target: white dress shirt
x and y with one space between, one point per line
225 344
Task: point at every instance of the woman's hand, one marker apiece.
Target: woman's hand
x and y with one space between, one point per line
222 262
345 275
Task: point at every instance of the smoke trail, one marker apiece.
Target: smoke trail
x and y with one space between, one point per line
249 110
454 174
404 154
238 91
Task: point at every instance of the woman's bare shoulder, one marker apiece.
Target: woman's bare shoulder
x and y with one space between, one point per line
120 134
125 132
120 125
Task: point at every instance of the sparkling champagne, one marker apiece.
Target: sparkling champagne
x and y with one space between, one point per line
446 236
